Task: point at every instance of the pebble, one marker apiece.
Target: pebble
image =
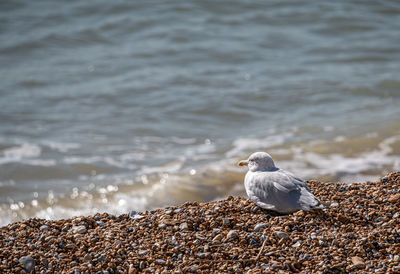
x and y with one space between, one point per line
396 258
217 238
297 244
161 261
281 234
227 221
358 262
232 234
260 226
102 258
87 258
334 204
80 229
183 226
28 262
143 252
394 198
44 228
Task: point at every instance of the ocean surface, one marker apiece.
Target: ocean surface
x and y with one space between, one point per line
112 106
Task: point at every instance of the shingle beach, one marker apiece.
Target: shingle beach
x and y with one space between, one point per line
358 231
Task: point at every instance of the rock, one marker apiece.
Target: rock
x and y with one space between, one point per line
203 255
87 258
334 204
80 229
260 226
44 261
28 262
394 198
227 221
232 234
102 258
183 226
396 258
161 261
313 236
342 218
297 244
44 228
143 252
193 268
132 269
217 238
281 234
100 223
178 210
358 262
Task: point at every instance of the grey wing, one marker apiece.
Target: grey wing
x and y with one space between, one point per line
282 192
276 191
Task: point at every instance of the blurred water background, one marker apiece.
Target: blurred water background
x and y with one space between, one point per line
133 105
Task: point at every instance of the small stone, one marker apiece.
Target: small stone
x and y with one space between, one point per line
44 227
162 225
161 261
281 234
342 218
80 229
260 226
183 226
132 269
178 210
297 244
396 258
70 246
143 252
217 238
394 198
227 221
203 255
358 262
28 262
334 204
44 262
193 268
100 223
87 258
233 234
102 258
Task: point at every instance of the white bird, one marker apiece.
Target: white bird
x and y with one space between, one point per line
275 189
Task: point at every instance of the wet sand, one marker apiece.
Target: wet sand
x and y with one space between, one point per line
359 230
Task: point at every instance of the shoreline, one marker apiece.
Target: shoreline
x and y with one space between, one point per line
359 230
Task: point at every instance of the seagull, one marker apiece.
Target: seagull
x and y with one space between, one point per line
275 189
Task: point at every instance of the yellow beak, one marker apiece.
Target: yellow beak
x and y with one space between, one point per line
243 163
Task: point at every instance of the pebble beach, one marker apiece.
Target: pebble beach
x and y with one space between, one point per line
357 231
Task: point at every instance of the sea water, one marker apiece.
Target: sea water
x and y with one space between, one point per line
133 105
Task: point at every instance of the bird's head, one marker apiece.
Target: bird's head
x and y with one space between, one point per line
259 161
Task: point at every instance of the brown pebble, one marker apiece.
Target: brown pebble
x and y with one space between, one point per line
358 262
394 198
